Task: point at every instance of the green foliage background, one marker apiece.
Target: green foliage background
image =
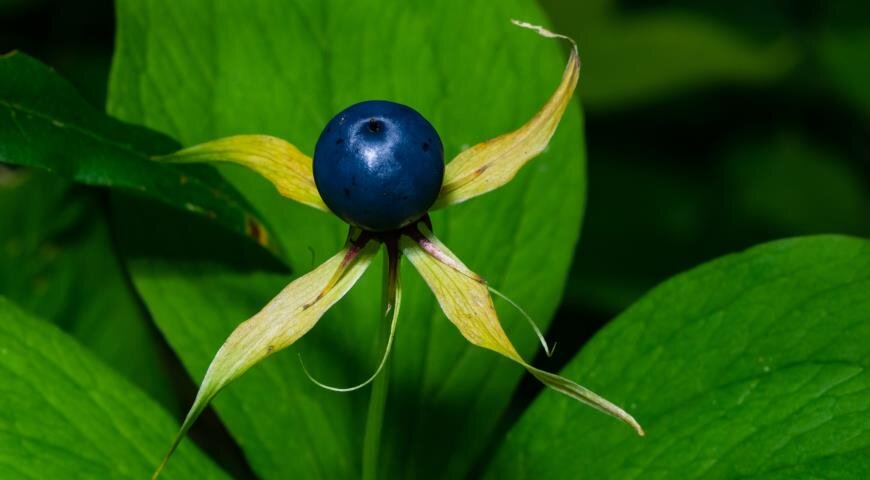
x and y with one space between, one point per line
708 129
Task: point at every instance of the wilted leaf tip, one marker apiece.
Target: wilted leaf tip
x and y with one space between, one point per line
546 33
543 31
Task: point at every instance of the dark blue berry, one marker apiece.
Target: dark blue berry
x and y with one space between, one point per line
379 165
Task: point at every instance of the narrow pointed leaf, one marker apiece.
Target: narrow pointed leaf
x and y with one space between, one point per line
275 159
755 365
465 300
291 314
489 165
64 414
45 124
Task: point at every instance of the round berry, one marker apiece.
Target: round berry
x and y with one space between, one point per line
379 165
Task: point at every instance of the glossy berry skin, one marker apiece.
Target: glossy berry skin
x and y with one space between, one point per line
379 165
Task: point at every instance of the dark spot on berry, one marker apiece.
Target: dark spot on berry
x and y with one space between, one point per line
425 147
374 125
339 141
346 192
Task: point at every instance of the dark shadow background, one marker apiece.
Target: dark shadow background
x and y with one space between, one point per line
710 127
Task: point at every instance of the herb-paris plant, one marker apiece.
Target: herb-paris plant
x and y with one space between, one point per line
754 365
376 154
258 69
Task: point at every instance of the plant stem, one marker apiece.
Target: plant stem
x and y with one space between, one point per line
380 386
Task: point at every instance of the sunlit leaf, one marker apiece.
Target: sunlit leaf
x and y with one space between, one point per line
754 365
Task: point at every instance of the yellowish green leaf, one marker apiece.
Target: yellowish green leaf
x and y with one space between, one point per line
491 164
465 300
277 160
289 315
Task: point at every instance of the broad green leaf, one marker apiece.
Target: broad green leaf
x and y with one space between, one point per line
635 56
58 262
754 365
202 70
45 124
63 414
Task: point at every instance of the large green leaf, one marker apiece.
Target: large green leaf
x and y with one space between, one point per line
45 124
58 262
63 414
754 365
201 70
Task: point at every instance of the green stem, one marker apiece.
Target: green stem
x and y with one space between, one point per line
380 386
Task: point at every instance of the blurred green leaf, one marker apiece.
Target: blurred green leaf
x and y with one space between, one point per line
689 208
789 185
63 414
630 57
58 262
754 365
676 214
45 124
284 68
842 54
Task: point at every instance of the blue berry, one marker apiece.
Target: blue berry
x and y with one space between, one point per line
379 165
